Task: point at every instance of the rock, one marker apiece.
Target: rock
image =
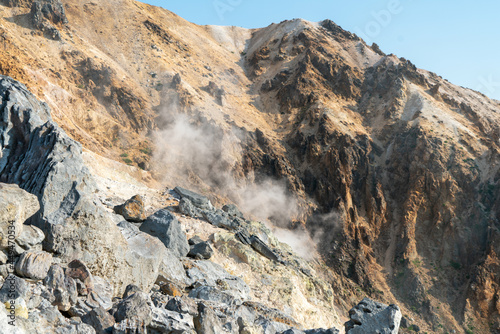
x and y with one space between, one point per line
206 321
132 210
165 226
372 317
80 273
18 306
128 326
232 210
62 287
194 240
51 10
149 258
404 322
101 294
130 290
182 305
197 200
210 274
100 320
165 321
5 327
13 288
3 258
187 208
34 265
172 270
16 205
212 294
201 251
75 223
171 289
263 249
243 236
217 219
31 238
137 307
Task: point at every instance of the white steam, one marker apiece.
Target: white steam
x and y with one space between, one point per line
199 153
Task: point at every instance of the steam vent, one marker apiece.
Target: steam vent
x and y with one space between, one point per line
158 176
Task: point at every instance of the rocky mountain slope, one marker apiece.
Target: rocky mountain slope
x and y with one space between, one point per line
392 170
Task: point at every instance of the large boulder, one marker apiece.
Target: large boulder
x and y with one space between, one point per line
165 226
373 317
37 155
16 205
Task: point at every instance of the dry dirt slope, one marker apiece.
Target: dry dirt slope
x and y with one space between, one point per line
406 162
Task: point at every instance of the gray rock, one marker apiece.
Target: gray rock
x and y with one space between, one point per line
197 200
30 238
130 290
137 306
263 249
172 270
62 287
244 237
194 240
101 295
404 322
232 210
187 208
372 317
206 321
218 219
39 156
165 321
34 265
213 295
210 274
129 326
165 226
100 320
201 251
16 205
132 210
182 305
3 258
13 288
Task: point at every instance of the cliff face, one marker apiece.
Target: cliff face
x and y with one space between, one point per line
394 170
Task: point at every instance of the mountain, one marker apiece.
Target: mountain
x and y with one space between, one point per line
389 171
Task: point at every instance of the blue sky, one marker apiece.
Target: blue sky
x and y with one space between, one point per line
459 40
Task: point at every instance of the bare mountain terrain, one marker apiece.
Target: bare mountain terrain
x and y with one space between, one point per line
391 170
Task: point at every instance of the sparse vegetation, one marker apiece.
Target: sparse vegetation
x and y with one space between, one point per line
124 155
127 161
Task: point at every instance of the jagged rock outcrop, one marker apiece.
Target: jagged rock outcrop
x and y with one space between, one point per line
74 224
373 317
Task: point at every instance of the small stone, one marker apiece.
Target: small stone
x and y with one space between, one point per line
201 251
132 210
19 307
137 306
198 200
100 320
34 265
30 238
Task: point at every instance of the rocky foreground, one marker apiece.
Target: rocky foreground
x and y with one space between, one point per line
69 264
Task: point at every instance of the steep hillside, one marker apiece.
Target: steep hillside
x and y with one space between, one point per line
392 170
